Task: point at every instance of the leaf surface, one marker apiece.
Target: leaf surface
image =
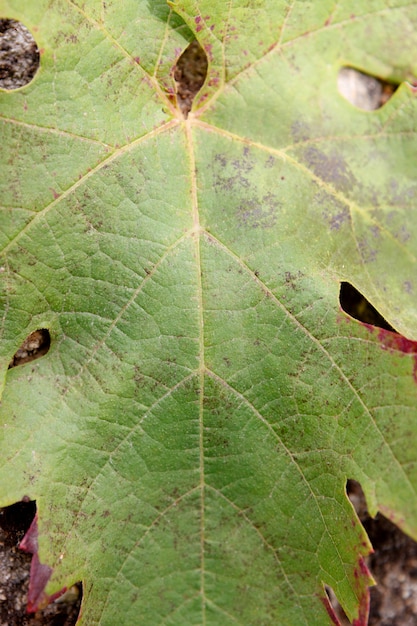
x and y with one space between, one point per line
189 434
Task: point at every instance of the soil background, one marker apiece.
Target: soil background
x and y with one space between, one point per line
394 562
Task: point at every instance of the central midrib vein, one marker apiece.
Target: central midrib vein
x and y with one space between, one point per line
196 234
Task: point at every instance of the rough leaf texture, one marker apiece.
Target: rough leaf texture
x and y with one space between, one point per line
189 434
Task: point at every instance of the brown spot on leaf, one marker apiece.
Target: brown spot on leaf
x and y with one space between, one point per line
292 279
55 193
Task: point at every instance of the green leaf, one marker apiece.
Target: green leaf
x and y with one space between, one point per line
189 434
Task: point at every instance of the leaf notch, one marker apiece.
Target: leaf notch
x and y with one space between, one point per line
189 74
35 345
19 55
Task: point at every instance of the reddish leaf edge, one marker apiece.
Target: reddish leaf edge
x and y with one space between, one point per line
330 610
393 342
362 575
389 340
39 572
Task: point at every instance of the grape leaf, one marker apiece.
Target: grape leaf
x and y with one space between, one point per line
189 434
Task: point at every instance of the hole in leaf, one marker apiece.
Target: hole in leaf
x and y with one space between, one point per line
190 73
15 521
393 565
34 346
19 55
362 90
335 611
356 305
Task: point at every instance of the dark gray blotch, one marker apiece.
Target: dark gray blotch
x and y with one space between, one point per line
330 168
334 212
263 213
